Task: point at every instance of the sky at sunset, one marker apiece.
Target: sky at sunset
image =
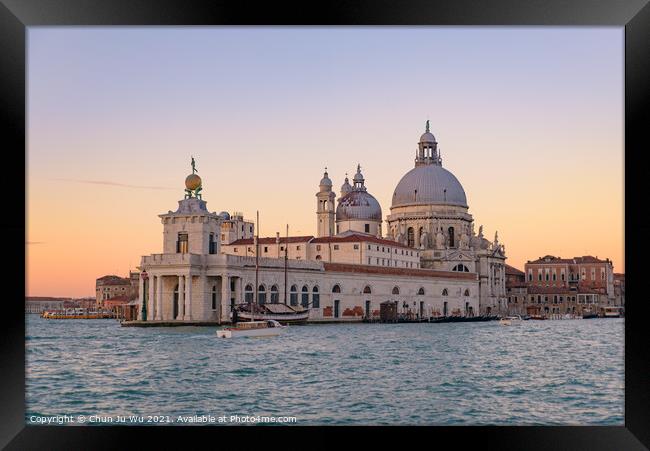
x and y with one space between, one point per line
530 121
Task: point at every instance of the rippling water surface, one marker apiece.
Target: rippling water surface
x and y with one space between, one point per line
542 372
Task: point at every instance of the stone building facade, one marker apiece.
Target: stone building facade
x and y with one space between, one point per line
111 286
431 261
576 285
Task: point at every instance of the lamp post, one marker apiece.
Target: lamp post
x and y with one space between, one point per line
145 278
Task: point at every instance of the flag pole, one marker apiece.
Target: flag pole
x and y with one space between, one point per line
257 244
286 248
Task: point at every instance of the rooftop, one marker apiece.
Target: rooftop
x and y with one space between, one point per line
367 269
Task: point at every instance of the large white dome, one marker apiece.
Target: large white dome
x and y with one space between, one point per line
429 184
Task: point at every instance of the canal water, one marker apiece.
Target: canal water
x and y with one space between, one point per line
566 372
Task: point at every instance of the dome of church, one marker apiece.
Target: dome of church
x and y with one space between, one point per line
429 184
224 215
346 187
358 205
325 181
427 138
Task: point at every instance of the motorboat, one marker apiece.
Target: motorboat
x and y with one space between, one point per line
511 320
266 328
612 312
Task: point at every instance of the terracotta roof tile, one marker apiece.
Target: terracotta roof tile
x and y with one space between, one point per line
356 238
511 270
271 240
368 269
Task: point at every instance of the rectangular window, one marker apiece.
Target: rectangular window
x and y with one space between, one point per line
336 247
356 246
223 237
368 247
318 247
212 245
297 248
266 249
181 244
281 248
235 250
369 261
367 228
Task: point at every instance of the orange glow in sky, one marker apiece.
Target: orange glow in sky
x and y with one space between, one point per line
530 121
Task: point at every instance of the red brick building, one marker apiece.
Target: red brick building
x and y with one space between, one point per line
558 285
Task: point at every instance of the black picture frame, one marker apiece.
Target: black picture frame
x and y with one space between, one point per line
633 15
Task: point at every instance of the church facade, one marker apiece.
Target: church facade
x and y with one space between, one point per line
430 261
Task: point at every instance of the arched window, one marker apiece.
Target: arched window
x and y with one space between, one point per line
367 290
248 293
445 292
451 236
318 257
467 293
421 291
261 295
275 296
315 298
293 295
395 290
305 296
411 237
214 297
336 288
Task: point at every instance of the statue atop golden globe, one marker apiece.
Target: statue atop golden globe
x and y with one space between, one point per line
193 183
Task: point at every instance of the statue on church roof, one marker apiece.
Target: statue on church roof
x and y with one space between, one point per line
193 183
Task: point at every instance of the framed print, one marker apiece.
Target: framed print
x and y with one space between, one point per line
371 216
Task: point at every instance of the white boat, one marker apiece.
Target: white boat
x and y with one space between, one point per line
511 321
267 328
612 312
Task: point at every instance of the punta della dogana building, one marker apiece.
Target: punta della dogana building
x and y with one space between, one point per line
430 259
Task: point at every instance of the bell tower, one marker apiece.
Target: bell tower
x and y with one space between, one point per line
325 207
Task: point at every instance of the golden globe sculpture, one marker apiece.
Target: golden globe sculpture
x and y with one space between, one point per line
192 182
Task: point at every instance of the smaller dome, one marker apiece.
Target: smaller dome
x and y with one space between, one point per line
358 177
427 138
359 205
224 215
325 182
192 182
346 187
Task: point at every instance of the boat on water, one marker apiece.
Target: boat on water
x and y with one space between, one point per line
252 329
589 314
511 320
613 312
255 326
281 313
77 313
